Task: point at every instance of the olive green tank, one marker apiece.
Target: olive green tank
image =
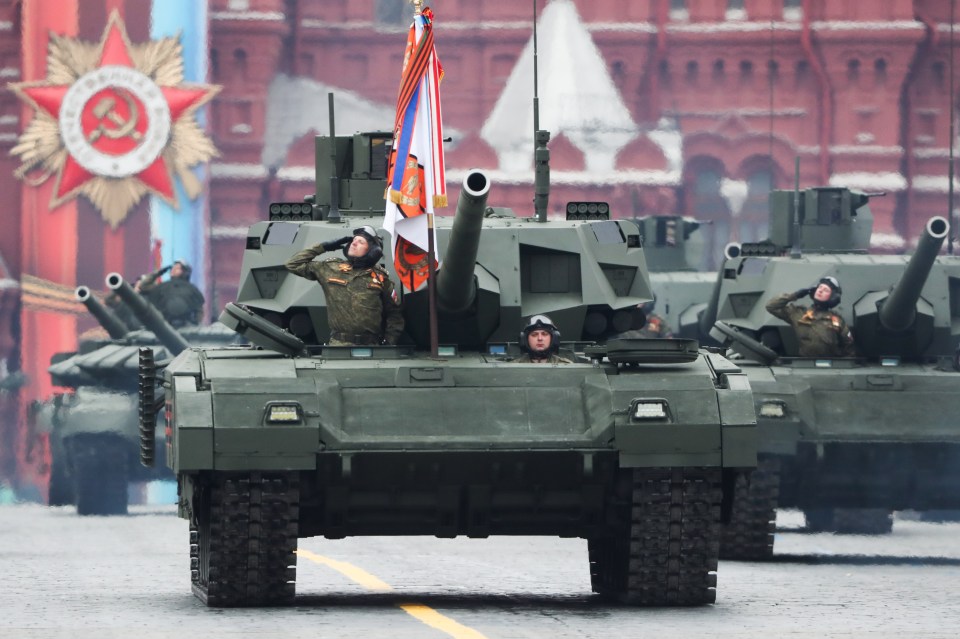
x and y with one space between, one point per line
93 426
630 446
673 249
848 440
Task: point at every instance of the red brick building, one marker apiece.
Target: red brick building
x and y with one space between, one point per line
716 97
697 106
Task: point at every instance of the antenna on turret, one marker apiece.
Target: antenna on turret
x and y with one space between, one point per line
795 251
953 117
334 214
541 154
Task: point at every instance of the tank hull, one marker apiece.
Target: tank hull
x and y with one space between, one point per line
472 445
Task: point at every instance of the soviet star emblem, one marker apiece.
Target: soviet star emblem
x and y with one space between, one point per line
113 121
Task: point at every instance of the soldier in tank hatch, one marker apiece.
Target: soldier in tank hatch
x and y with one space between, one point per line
362 304
820 331
179 301
540 342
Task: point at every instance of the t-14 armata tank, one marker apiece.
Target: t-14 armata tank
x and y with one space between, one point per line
630 446
846 439
94 432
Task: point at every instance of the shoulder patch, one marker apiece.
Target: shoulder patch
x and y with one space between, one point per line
835 320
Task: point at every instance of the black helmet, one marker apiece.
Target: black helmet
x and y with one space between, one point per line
374 253
540 322
835 292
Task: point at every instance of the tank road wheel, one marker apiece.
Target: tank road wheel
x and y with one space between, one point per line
862 521
666 553
749 535
243 539
100 476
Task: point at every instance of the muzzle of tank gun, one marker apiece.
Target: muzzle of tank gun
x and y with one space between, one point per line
732 250
709 315
110 322
900 307
148 315
456 283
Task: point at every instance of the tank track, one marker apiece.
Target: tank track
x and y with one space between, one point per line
850 521
667 550
749 534
100 475
243 539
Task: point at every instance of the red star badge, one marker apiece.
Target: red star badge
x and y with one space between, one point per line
115 120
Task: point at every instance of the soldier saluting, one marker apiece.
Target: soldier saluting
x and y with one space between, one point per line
820 331
362 304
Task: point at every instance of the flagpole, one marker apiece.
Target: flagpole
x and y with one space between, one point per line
431 252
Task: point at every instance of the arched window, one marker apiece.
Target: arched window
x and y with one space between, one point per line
773 70
853 70
939 70
880 70
240 63
692 70
718 69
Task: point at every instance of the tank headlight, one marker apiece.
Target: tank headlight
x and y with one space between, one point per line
649 409
283 413
773 409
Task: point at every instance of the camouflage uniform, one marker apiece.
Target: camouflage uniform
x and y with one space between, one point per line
821 333
362 305
655 328
553 359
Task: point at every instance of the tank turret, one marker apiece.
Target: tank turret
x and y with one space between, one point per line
110 322
147 314
587 274
900 322
828 220
670 242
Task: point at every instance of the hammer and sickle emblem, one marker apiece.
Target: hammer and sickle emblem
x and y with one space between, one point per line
106 111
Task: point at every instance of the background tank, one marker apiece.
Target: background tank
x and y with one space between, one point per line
629 447
673 248
848 441
94 436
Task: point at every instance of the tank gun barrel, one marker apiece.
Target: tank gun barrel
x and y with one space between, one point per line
709 315
456 286
114 327
148 315
899 309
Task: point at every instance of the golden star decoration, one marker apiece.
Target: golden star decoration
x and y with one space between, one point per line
113 121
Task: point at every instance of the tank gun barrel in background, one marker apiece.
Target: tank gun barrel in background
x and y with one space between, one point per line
709 315
899 309
456 285
114 327
148 315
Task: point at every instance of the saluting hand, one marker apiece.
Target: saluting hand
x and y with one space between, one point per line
335 244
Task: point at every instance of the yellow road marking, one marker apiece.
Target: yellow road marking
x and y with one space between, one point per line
424 614
434 619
